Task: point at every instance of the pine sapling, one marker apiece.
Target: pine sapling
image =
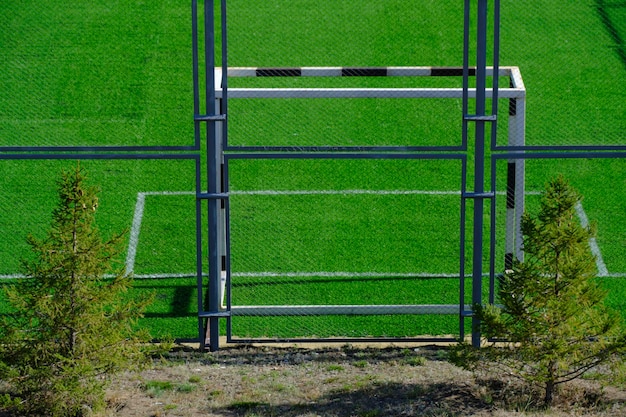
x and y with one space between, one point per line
72 323
550 319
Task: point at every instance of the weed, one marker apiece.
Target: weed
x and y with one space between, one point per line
214 394
360 364
278 387
331 380
360 383
157 388
195 379
415 361
442 355
417 391
185 388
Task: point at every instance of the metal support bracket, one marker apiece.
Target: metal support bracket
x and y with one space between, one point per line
209 118
478 118
479 195
213 196
207 314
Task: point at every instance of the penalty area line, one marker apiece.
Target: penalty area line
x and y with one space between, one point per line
593 244
141 202
303 274
133 241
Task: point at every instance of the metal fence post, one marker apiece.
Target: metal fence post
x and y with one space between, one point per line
213 153
479 163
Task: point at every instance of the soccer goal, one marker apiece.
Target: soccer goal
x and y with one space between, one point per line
515 93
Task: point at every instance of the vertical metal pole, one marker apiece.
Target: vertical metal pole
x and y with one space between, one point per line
222 108
462 307
466 49
494 132
224 80
199 257
221 233
479 163
520 167
464 138
213 154
197 139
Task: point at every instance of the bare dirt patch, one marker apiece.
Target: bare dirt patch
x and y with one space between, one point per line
336 381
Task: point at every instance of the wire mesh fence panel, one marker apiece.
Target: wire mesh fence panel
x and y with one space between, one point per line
344 122
351 34
95 74
348 33
153 211
571 55
334 234
318 76
600 184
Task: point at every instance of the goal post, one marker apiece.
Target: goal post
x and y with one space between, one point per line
515 93
515 190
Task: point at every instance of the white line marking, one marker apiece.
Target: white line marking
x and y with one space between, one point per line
12 276
328 192
140 205
269 274
133 240
139 208
593 244
345 192
168 193
141 201
340 274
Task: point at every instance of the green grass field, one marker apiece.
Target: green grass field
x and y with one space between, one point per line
308 231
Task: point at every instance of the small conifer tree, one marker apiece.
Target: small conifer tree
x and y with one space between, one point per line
550 311
71 326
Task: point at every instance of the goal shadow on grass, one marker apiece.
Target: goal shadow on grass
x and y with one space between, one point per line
326 279
609 12
170 301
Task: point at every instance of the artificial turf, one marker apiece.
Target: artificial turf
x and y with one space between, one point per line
120 74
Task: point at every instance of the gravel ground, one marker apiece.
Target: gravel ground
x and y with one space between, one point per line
337 381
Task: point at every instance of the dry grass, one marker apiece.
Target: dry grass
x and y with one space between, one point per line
342 381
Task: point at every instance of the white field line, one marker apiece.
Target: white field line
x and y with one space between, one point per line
593 244
133 240
294 274
339 274
141 201
139 207
345 192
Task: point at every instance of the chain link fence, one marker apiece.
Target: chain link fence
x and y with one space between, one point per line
314 231
572 68
101 73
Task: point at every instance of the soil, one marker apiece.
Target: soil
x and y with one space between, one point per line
338 381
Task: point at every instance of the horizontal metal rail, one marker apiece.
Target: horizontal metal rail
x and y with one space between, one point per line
354 310
364 93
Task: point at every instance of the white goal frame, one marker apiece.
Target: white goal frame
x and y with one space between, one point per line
515 92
